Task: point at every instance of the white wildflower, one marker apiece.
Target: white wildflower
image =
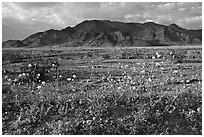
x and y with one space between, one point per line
199 109
69 79
119 88
43 82
133 87
175 71
187 80
15 80
158 55
157 64
29 65
74 76
38 87
89 122
142 71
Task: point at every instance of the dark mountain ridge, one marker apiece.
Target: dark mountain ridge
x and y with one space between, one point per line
98 33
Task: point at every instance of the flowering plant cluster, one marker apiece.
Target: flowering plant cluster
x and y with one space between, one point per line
135 95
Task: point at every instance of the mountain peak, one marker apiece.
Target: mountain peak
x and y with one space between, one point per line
174 24
175 27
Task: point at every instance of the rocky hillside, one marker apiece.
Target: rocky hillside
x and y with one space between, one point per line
98 33
13 43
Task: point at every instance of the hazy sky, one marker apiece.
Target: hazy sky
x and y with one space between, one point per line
19 20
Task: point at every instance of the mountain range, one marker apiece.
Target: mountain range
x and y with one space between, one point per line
101 33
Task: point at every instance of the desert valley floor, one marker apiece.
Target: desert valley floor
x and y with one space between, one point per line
119 91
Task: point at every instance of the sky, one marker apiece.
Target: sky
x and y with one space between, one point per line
21 19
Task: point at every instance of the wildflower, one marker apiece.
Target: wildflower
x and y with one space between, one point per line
69 79
38 74
29 65
187 81
175 71
191 112
83 122
153 57
43 82
38 87
6 77
15 80
74 76
158 55
94 118
199 109
157 64
133 87
149 79
88 122
20 75
119 88
171 109
199 82
24 74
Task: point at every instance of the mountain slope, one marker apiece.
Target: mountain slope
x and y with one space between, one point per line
13 43
99 33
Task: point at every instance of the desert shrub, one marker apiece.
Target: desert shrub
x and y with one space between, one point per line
179 55
50 112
